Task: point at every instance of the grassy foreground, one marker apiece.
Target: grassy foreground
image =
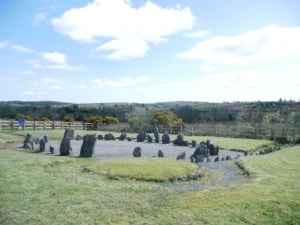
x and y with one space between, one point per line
146 169
240 144
40 189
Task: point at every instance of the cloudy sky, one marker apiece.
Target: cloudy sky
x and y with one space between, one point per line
88 51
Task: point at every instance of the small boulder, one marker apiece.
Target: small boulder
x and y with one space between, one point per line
141 137
100 137
109 137
160 154
137 152
122 137
181 156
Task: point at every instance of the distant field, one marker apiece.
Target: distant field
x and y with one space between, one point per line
240 144
42 189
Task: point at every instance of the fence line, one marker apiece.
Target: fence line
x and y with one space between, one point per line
290 132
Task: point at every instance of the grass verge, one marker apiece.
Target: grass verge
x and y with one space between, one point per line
146 169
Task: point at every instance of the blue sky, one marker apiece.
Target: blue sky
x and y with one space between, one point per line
89 51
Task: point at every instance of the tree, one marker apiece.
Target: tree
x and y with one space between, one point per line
68 119
110 119
94 119
166 118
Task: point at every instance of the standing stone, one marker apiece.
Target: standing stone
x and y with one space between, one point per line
160 154
88 145
228 157
100 137
109 137
199 154
28 143
208 160
137 152
122 137
141 137
194 143
149 138
213 148
156 134
51 148
46 138
65 146
181 156
42 145
69 132
129 139
217 159
166 138
180 141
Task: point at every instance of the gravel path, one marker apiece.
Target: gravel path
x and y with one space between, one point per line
123 149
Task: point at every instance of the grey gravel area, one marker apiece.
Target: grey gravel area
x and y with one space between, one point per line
124 149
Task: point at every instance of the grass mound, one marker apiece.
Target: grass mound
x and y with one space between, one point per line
146 169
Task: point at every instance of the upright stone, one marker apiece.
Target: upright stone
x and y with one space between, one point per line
65 146
166 138
42 145
137 152
180 141
149 138
88 145
156 134
69 132
28 143
213 148
200 153
141 137
122 137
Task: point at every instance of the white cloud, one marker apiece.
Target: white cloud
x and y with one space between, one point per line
256 46
52 83
39 18
28 72
129 29
20 48
238 86
199 34
54 57
206 68
53 60
3 44
28 93
122 82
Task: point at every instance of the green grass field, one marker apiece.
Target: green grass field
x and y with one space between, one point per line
238 144
43 189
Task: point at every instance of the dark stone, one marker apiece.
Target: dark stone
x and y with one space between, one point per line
228 157
276 148
217 159
149 138
194 176
109 137
69 132
213 148
180 141
160 153
208 159
223 159
88 145
42 145
79 137
122 137
100 137
65 146
183 178
199 154
181 156
194 144
156 134
166 138
51 149
28 143
268 150
245 153
46 138
129 139
137 152
141 137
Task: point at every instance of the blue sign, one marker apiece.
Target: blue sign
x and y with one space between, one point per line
21 122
